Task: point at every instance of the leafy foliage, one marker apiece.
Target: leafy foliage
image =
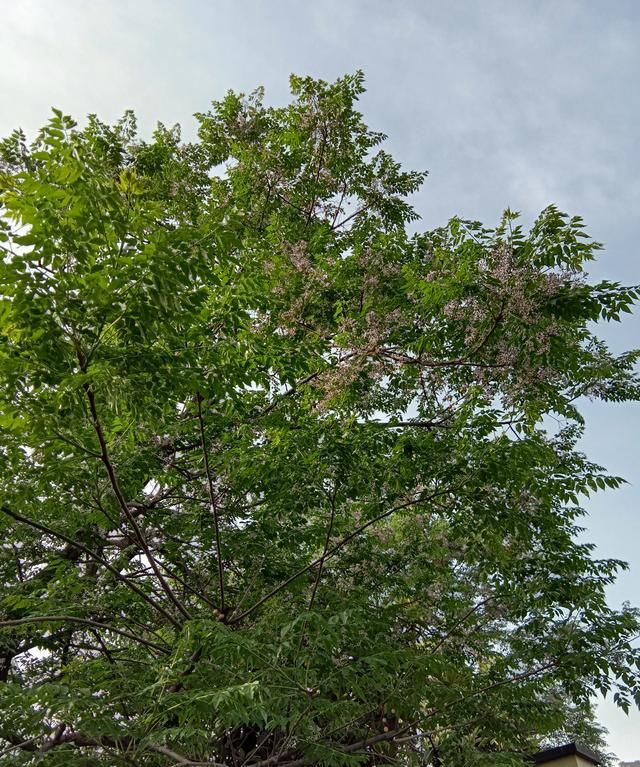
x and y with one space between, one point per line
280 482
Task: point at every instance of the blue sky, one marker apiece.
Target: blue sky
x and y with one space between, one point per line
507 104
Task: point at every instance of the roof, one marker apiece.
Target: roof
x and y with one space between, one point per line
570 749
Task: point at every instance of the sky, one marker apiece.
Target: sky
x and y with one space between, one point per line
506 104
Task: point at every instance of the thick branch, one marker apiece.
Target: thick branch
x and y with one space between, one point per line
212 501
113 480
83 622
96 557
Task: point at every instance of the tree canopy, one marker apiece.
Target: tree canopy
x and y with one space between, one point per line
285 480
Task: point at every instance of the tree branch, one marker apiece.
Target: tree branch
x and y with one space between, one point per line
353 215
212 501
317 178
332 551
106 460
18 743
83 622
105 563
325 549
179 759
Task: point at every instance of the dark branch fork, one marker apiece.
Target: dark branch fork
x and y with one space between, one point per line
122 503
95 557
334 550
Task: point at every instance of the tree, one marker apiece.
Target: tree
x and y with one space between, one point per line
282 481
580 725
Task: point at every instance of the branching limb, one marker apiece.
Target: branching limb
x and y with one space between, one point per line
95 557
113 480
179 759
334 550
327 540
82 622
18 744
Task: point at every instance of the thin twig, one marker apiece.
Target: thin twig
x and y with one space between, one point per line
325 548
353 215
